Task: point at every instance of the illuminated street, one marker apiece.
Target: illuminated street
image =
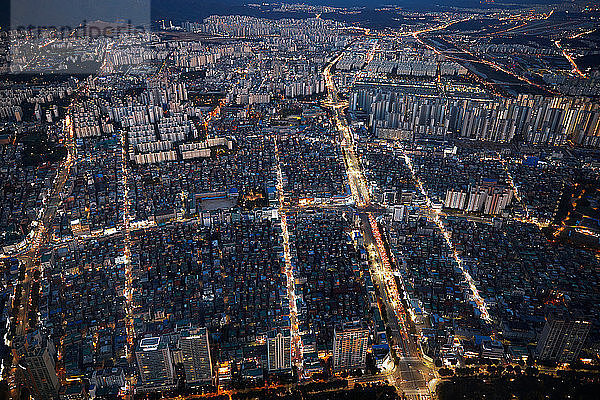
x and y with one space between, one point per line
297 352
409 373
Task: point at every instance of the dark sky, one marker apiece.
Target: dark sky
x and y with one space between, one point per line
178 10
189 10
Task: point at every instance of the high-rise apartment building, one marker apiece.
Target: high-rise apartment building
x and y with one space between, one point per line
350 346
471 114
489 199
279 350
562 338
195 353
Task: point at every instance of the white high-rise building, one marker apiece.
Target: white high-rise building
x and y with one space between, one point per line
350 346
279 350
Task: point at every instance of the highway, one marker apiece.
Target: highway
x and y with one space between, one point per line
410 375
575 68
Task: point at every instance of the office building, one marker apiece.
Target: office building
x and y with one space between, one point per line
36 357
74 391
492 349
350 346
279 350
562 338
109 377
154 362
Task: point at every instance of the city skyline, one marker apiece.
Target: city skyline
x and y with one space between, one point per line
300 201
